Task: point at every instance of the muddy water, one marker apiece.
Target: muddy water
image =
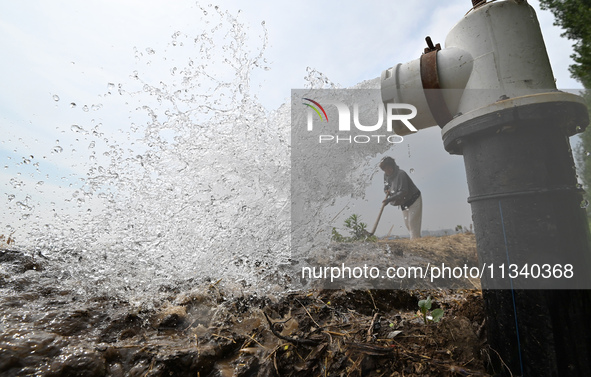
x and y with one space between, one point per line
47 330
210 330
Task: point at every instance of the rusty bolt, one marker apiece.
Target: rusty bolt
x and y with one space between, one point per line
429 43
430 47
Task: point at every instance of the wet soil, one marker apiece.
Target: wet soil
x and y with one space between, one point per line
208 331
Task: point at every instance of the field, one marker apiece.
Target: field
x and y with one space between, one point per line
209 331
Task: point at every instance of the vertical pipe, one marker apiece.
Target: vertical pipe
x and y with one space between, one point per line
526 208
512 127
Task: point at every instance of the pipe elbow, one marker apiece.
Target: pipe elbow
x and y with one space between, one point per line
412 84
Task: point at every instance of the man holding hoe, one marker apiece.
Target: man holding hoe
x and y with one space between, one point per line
401 191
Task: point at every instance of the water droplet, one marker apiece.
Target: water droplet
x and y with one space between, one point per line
58 149
263 23
23 206
412 170
72 105
56 97
110 86
76 128
587 154
584 203
91 145
85 108
150 51
11 197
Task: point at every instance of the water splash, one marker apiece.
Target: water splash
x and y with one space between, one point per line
196 188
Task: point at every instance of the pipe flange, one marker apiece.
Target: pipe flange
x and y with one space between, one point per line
565 110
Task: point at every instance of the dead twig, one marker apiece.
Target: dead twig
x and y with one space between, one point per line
371 325
372 300
481 328
224 337
304 342
248 341
309 315
335 333
272 352
499 356
441 364
275 364
370 349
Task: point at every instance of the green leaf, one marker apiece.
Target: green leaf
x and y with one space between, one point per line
425 304
437 314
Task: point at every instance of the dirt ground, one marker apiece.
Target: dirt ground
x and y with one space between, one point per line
209 332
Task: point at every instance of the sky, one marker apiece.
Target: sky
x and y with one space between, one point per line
63 62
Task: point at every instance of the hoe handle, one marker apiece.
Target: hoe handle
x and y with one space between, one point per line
375 226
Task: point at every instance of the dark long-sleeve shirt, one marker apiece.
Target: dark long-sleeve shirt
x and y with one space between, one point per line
400 187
